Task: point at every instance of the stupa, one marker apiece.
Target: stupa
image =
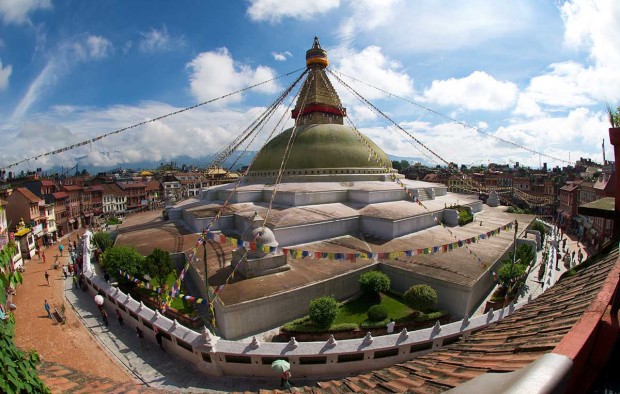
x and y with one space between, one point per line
337 195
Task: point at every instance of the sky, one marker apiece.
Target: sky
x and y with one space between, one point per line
460 77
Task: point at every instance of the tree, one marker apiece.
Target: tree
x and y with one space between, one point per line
377 313
404 164
102 240
122 258
323 311
396 165
8 277
374 282
421 297
158 265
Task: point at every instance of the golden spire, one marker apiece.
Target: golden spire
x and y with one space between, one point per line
318 97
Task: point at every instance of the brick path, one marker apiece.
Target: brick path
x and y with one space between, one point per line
69 349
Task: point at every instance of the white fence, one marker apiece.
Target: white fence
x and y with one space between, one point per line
215 356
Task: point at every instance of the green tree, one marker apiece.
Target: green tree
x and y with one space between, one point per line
122 258
158 265
374 282
8 277
421 297
404 164
103 240
323 311
377 313
396 165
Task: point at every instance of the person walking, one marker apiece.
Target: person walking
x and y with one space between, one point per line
47 309
64 271
159 339
104 316
120 318
75 281
140 336
60 249
285 381
43 257
47 278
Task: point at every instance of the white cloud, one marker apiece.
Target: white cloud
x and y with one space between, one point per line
478 91
194 133
373 67
98 47
427 26
61 60
16 11
281 56
527 107
160 40
5 73
215 73
276 10
593 25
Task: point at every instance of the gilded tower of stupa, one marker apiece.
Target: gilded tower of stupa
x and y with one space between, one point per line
320 102
323 148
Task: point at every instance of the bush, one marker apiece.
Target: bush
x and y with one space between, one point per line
377 313
103 240
421 297
323 311
465 217
431 316
374 282
368 324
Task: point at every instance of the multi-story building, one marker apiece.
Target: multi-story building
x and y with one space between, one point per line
73 205
136 196
604 187
114 199
61 202
172 187
25 216
568 204
154 193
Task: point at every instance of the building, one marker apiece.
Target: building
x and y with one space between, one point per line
114 199
136 196
26 214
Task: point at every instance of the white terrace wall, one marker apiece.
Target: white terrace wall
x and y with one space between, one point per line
214 356
243 319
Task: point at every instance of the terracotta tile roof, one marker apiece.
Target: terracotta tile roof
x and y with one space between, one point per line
135 185
60 195
506 346
72 188
46 183
29 195
112 188
153 185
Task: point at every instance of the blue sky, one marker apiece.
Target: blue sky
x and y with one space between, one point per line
533 72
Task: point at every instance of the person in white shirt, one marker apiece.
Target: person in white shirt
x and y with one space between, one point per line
390 326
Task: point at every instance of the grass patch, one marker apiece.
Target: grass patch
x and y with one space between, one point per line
181 305
355 311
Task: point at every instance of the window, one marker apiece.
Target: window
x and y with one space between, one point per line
312 360
238 359
386 353
346 358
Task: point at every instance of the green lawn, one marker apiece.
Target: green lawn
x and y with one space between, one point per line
355 311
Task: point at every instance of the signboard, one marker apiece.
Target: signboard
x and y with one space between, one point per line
36 230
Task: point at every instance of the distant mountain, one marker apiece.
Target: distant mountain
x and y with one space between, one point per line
234 160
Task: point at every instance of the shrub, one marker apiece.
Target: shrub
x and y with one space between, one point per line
367 324
465 217
431 316
421 297
103 240
374 282
377 313
323 311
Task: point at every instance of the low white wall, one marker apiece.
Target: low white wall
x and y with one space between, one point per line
452 298
214 356
241 320
311 232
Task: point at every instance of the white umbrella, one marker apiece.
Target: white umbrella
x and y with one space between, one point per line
99 299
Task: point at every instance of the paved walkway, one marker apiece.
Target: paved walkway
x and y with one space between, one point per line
533 286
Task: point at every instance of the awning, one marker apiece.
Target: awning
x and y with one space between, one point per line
22 232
